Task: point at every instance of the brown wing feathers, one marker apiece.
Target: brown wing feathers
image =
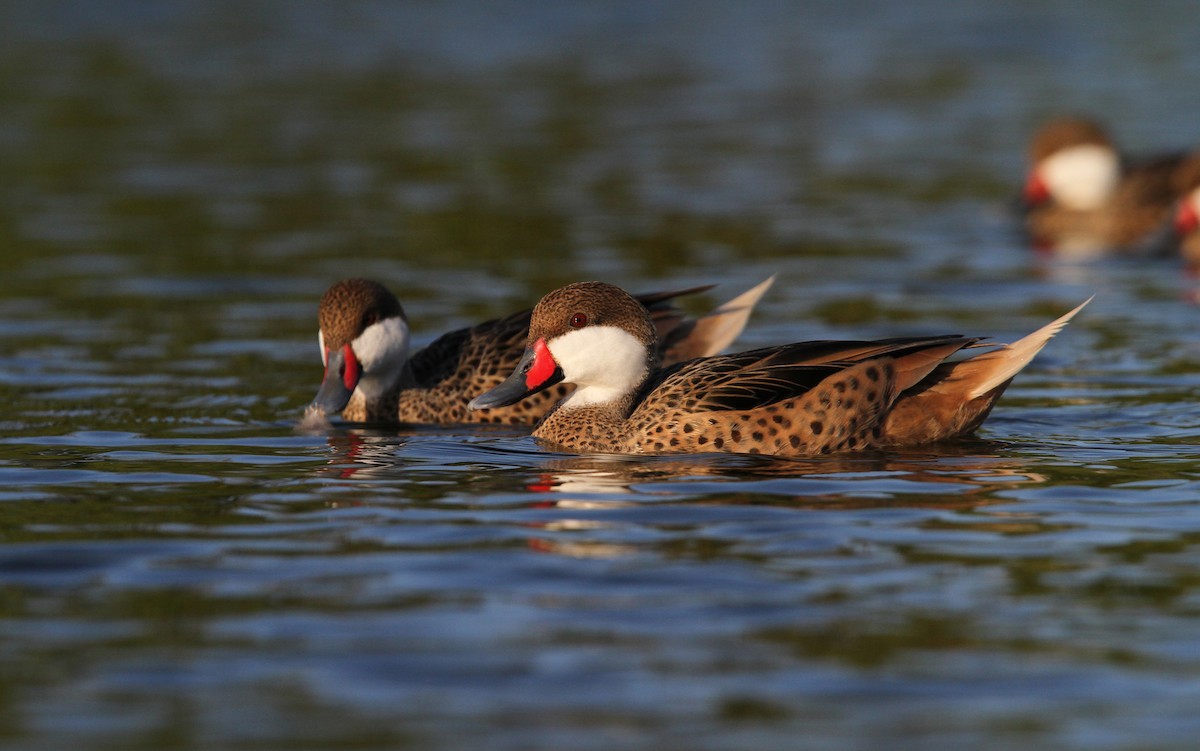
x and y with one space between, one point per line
749 380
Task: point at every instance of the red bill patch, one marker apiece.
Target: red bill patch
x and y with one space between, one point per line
1186 219
1035 190
352 370
543 365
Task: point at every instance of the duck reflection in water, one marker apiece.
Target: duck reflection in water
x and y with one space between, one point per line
361 454
585 506
589 497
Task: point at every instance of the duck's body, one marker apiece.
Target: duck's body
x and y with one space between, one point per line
370 377
796 399
1082 195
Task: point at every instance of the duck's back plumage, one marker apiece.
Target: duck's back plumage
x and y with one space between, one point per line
457 365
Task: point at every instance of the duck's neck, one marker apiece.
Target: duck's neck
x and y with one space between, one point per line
378 408
587 425
378 399
595 417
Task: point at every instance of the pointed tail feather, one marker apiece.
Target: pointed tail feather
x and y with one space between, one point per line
720 328
995 368
711 334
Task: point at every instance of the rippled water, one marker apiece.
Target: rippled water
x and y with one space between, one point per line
180 568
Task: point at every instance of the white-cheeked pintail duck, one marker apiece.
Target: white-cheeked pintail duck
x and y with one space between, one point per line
796 399
370 377
1082 196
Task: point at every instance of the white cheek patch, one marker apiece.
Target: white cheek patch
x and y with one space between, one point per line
382 350
604 362
1081 178
321 344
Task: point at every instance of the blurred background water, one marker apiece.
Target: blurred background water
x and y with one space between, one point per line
179 568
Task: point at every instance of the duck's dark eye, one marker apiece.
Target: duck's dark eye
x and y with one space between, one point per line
370 319
578 321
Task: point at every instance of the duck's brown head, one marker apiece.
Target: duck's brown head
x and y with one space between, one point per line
1073 163
591 334
364 342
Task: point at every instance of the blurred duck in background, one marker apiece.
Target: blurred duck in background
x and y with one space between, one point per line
1082 198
